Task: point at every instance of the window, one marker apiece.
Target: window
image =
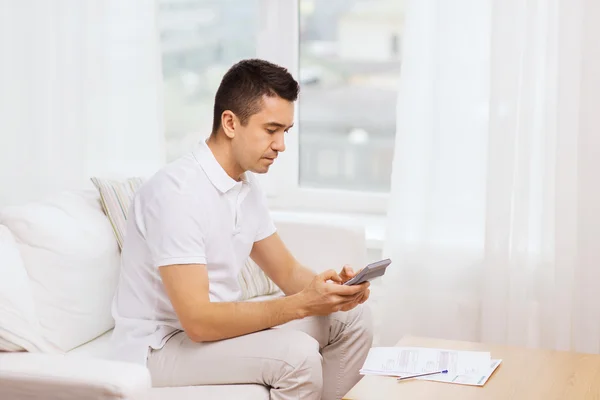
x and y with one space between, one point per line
200 40
345 53
349 69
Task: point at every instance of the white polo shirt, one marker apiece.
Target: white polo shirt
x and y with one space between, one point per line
190 212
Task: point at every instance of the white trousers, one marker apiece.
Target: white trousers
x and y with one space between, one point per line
311 358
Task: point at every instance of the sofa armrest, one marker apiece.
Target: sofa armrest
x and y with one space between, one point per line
324 245
51 376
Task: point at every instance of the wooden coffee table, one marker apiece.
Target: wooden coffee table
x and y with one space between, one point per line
524 374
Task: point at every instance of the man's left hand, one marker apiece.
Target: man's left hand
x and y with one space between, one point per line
346 274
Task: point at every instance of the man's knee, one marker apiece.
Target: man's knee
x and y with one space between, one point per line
361 321
303 361
303 351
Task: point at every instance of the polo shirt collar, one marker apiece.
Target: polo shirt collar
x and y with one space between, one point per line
216 174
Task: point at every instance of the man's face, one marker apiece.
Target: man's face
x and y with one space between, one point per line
256 145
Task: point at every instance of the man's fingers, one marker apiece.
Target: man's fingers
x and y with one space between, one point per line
344 290
345 300
365 296
331 275
338 300
348 271
347 303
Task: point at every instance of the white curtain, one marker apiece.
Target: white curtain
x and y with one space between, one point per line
79 94
494 220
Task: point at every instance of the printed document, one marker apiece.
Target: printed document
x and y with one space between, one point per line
464 367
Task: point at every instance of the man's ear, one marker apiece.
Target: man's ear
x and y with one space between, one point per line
228 122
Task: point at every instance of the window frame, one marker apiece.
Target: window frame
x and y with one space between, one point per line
278 42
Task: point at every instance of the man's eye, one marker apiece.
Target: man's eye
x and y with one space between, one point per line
271 131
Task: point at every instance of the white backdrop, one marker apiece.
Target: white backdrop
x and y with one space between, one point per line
79 94
494 220
495 211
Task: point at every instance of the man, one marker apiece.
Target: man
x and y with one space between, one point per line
190 229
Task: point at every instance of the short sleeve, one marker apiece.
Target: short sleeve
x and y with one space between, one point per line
266 227
175 230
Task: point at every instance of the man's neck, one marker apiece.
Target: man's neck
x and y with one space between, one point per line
222 152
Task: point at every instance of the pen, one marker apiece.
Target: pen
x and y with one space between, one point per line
425 374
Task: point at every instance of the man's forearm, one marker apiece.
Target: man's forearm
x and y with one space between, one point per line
298 279
217 321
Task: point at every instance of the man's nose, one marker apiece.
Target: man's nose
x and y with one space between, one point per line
279 143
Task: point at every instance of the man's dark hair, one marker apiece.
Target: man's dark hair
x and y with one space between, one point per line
243 86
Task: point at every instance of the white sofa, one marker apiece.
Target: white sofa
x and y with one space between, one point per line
59 264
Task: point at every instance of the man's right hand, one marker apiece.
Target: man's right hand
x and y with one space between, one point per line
322 297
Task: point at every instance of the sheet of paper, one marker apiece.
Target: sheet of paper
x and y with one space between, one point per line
478 379
413 360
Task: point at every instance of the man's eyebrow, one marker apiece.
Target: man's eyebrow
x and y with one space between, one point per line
278 125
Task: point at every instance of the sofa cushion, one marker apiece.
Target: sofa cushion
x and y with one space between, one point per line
19 329
116 199
254 283
72 261
99 347
65 377
226 392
